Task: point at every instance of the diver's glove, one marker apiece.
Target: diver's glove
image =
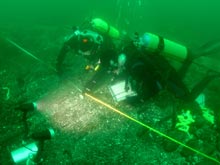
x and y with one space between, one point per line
133 100
89 87
26 107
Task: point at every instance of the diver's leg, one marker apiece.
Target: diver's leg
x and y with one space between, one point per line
179 90
200 86
175 85
186 64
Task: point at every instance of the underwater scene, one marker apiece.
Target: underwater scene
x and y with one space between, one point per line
109 82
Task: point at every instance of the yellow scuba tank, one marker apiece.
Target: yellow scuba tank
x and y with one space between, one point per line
104 27
167 48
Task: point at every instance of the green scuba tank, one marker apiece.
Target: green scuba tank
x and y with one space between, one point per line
175 53
104 27
167 48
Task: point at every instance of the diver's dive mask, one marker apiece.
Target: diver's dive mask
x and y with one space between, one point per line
89 42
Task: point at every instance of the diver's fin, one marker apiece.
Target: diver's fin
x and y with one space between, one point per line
208 63
207 54
208 48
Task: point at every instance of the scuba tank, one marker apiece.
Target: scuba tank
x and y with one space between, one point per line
169 49
104 27
174 53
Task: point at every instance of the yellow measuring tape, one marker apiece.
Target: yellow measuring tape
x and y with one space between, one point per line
150 128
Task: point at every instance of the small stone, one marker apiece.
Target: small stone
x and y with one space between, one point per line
81 96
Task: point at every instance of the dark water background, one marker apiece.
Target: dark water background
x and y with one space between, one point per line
191 23
186 20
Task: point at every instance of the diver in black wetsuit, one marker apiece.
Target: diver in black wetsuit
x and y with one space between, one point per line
97 47
149 72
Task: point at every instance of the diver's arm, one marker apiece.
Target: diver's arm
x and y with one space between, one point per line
71 43
61 56
96 81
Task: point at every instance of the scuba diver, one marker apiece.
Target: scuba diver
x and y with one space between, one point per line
150 70
95 43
